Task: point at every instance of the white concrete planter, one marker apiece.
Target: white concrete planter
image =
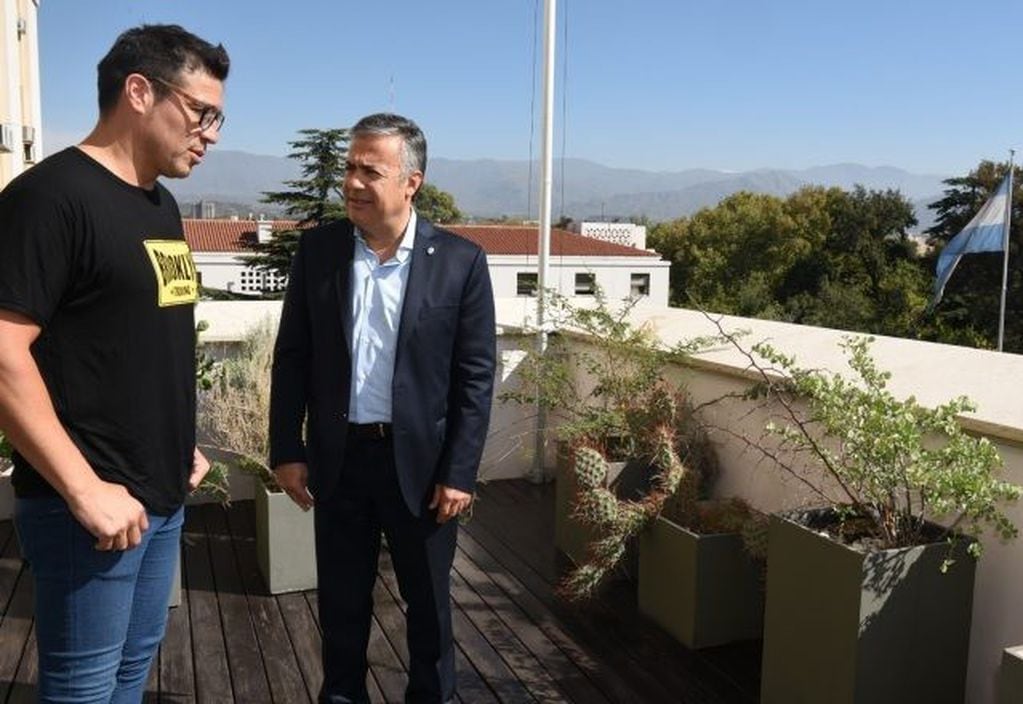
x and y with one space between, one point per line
284 542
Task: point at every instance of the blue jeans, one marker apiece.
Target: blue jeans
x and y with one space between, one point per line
100 616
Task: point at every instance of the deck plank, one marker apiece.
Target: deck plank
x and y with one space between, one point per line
282 671
248 673
568 676
174 661
209 652
517 641
18 588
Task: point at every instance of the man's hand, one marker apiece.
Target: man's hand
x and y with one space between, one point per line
449 502
292 478
111 514
200 466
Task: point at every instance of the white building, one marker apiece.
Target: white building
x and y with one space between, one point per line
578 264
20 109
624 233
219 248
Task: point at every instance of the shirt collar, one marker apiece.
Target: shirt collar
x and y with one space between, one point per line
408 239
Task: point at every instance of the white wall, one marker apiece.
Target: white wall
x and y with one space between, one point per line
228 272
20 98
624 233
613 275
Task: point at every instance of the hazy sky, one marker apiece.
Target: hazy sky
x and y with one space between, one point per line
652 84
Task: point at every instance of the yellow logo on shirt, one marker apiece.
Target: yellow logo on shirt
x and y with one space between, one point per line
176 280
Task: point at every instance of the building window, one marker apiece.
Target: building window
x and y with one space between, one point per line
640 285
585 284
526 283
258 281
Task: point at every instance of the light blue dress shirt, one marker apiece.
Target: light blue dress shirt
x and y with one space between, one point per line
378 291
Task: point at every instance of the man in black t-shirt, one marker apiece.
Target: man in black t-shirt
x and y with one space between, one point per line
97 363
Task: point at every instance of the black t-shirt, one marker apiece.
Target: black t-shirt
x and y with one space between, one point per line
103 268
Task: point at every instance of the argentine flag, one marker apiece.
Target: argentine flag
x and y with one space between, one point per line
984 233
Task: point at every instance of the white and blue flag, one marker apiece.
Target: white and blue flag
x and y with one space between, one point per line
984 233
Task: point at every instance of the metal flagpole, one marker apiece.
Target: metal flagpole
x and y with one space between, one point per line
1005 258
546 179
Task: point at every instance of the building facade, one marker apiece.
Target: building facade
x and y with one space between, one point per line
20 101
579 265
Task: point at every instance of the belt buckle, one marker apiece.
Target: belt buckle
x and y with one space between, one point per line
379 431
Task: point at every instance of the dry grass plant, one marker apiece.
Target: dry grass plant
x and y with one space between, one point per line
233 411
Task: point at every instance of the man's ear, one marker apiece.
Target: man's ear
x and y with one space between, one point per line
138 93
415 182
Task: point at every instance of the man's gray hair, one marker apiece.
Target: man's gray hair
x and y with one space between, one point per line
413 142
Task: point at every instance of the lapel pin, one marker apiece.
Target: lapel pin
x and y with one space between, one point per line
429 250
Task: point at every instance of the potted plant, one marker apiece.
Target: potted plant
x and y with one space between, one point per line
233 414
868 600
591 389
629 445
701 563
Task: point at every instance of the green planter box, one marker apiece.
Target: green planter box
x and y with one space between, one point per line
703 589
1010 677
846 627
285 545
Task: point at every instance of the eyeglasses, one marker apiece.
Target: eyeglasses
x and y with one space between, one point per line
210 116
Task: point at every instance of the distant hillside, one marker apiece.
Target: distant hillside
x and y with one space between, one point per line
490 188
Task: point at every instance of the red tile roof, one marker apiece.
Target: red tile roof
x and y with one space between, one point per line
232 235
226 235
523 240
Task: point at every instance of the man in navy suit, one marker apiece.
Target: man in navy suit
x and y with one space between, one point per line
386 352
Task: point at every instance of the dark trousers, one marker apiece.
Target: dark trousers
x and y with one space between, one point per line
366 502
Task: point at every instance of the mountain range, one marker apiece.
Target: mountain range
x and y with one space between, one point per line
486 188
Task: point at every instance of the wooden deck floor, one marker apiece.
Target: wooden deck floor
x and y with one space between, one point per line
517 643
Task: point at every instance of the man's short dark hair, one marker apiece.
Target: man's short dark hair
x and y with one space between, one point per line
413 150
157 51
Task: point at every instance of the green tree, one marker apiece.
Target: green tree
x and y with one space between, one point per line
436 205
822 256
313 199
968 312
866 276
734 257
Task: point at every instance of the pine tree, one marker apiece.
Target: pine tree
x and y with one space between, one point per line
314 199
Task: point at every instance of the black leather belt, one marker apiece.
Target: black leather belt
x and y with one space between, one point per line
369 431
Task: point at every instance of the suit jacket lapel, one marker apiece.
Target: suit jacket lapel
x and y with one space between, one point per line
343 282
419 270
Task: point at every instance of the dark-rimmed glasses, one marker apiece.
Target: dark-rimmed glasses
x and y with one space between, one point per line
210 116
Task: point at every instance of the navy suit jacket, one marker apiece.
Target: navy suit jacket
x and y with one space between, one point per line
443 370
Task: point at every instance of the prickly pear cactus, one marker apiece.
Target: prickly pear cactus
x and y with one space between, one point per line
590 468
616 520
